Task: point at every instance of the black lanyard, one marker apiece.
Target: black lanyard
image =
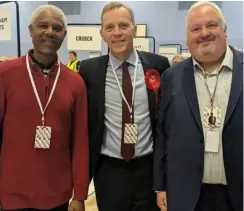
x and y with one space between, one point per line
212 118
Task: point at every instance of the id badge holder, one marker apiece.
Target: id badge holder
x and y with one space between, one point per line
130 133
43 136
212 139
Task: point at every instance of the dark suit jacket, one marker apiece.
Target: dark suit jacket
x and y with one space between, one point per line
179 151
93 71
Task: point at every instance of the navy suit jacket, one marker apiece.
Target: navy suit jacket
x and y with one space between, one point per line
93 71
179 150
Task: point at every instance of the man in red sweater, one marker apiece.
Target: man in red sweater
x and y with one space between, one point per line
43 124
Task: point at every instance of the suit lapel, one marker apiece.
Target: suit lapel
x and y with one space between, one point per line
191 93
236 85
101 79
151 97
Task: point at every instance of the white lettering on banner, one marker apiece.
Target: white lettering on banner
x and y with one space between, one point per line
5 23
84 38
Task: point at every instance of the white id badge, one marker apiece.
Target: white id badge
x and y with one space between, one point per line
212 139
130 133
43 137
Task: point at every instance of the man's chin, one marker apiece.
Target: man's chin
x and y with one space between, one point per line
207 51
119 50
48 52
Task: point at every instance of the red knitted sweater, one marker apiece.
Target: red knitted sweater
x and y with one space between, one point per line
37 178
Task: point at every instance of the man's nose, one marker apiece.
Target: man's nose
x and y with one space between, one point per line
205 32
49 30
117 31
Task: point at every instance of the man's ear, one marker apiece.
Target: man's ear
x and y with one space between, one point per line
102 35
30 29
65 33
135 30
225 30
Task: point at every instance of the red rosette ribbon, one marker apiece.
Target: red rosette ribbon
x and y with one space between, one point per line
152 80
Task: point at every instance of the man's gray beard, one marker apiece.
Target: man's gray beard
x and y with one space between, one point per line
46 50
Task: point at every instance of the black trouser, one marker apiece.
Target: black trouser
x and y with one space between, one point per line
63 207
125 186
214 198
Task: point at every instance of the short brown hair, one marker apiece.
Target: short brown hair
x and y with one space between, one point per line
117 5
74 53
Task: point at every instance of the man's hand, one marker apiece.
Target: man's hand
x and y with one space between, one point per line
162 201
4 58
76 206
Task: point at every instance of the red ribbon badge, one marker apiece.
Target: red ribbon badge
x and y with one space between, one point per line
152 79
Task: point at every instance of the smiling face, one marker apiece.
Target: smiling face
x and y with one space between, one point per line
206 34
118 31
47 33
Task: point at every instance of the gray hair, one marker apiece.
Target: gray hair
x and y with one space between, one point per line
52 9
205 3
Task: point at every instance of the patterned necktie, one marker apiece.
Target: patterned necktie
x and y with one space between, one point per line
127 150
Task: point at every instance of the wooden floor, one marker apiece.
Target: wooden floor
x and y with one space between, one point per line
91 204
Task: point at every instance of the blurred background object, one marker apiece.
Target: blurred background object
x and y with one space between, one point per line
4 58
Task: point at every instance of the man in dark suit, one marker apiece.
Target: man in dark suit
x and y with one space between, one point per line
122 115
198 160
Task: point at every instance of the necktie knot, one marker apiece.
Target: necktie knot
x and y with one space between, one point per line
125 66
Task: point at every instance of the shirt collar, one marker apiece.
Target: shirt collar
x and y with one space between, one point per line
227 62
36 66
40 65
117 63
